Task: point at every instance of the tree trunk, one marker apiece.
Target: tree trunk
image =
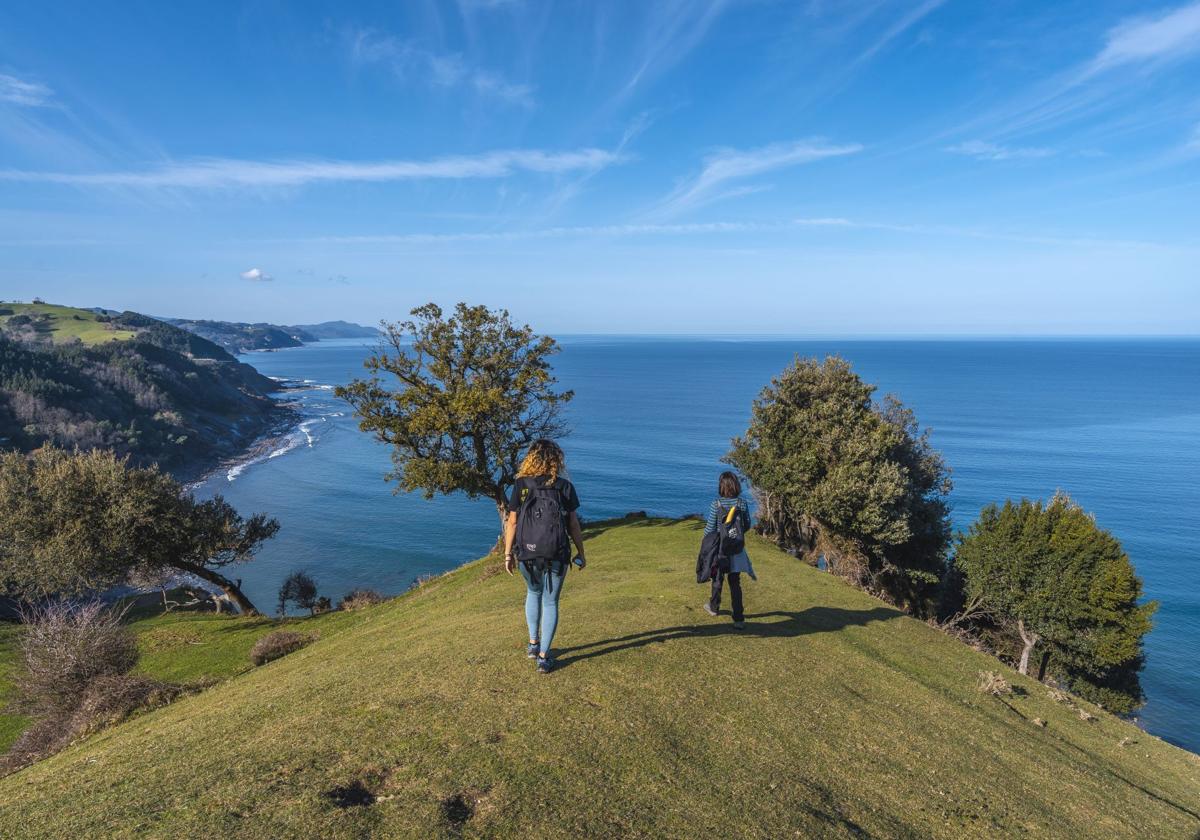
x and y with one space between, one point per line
1042 667
227 586
1029 639
502 512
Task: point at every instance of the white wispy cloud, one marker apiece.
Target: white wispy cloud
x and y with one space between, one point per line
256 274
224 173
1161 37
914 16
672 29
23 92
783 227
730 165
409 61
1193 142
983 150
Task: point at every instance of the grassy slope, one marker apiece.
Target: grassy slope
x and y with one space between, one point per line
67 322
831 716
182 647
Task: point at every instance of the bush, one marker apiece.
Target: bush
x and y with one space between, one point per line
64 648
994 684
109 700
277 645
359 598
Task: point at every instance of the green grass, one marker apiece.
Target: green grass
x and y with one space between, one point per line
182 647
11 726
831 716
67 323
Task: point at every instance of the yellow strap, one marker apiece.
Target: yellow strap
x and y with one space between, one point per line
729 516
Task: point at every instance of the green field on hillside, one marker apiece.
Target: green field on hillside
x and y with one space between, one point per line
831 715
181 647
66 323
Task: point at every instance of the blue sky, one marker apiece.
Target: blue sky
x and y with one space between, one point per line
809 167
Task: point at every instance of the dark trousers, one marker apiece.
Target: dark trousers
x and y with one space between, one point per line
735 593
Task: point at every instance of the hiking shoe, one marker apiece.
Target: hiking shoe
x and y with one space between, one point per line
708 609
532 650
739 625
545 665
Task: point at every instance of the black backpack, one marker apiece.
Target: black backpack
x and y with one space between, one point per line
541 527
732 528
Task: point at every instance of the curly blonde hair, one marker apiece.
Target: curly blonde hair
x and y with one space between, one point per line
545 457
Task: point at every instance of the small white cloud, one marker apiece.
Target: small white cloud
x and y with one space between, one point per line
21 92
1193 143
256 274
983 150
407 61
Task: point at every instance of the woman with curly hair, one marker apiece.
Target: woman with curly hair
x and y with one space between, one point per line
541 514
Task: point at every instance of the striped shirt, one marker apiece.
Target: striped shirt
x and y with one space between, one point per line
720 509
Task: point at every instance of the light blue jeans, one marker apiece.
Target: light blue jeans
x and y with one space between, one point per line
541 602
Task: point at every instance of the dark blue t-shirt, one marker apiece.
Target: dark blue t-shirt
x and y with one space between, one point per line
522 486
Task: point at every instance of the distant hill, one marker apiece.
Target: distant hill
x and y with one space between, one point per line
338 329
239 337
89 379
831 715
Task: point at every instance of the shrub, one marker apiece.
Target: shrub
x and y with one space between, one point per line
994 684
277 645
359 598
111 699
64 648
300 589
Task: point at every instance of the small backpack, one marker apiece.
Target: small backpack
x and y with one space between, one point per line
541 535
733 532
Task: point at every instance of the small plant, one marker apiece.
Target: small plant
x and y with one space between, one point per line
359 598
277 645
994 684
300 589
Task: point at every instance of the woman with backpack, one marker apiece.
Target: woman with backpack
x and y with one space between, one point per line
541 515
729 514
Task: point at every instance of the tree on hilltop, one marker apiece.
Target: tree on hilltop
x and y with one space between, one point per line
839 476
471 392
76 522
1048 573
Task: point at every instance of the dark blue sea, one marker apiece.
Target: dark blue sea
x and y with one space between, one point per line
1116 423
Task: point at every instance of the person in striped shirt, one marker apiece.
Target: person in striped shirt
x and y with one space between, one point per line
729 496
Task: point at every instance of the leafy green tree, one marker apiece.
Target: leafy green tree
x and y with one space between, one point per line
471 392
71 523
839 476
1058 580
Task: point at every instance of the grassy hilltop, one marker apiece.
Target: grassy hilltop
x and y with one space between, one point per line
832 715
66 323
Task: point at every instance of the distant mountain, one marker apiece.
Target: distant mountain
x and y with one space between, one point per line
127 382
239 337
337 329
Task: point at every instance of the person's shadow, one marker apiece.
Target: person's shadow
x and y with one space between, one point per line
776 624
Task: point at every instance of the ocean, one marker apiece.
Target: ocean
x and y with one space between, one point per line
1116 423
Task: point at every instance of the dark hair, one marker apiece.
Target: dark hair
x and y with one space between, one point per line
728 486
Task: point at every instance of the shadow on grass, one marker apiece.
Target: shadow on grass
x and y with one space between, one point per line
776 624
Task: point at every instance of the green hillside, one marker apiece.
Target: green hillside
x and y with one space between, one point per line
65 323
831 715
